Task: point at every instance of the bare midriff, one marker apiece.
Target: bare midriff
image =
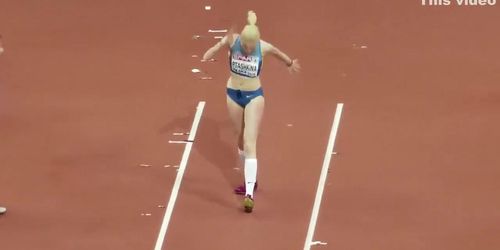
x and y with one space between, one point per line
236 81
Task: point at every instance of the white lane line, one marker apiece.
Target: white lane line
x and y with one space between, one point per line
322 178
178 179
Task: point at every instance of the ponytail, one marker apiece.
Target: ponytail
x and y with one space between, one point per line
251 31
251 18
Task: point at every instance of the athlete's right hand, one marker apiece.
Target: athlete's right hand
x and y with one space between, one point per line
230 35
295 67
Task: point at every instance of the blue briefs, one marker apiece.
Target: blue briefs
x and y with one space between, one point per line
243 97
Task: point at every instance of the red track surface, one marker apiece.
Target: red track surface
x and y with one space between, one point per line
88 91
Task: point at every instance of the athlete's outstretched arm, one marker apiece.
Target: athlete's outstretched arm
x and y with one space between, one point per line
227 42
212 51
292 64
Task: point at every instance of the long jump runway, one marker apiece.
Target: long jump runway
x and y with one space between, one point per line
92 93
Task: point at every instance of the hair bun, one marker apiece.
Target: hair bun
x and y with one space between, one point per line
252 17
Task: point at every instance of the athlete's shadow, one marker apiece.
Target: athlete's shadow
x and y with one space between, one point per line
210 145
217 151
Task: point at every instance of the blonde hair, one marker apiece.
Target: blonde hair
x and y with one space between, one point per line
251 32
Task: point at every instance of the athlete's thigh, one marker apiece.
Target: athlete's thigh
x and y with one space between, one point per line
236 113
254 111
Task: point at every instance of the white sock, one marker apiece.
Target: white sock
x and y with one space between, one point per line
250 175
241 153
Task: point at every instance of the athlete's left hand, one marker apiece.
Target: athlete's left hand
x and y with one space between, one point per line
1 46
295 67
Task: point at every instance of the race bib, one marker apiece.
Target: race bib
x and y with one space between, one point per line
245 65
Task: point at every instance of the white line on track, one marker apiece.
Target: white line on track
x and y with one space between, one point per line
178 179
217 31
322 178
177 142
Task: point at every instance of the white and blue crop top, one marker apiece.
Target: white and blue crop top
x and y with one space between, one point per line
245 65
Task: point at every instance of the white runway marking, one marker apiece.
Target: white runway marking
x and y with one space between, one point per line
180 133
178 142
319 243
322 178
217 31
180 173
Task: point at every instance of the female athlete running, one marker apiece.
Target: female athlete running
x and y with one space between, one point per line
245 98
